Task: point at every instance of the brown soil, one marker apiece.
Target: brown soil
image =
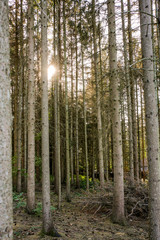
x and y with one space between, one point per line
82 218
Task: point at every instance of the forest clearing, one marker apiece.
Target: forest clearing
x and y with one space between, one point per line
80 119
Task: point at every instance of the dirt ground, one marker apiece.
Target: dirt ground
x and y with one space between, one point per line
77 220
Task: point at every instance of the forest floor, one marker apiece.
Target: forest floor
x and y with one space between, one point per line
87 216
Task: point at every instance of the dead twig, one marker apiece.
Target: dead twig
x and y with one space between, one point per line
97 210
135 207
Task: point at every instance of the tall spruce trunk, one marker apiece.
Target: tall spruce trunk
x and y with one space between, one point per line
105 115
71 118
98 100
66 109
152 129
118 198
138 130
133 102
57 78
47 221
31 113
15 123
77 110
58 104
20 96
128 87
6 218
84 104
142 132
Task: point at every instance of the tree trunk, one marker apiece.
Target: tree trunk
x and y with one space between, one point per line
98 100
57 78
142 132
77 110
71 131
58 104
128 87
16 99
84 107
118 199
138 130
19 145
31 114
47 221
6 218
66 111
152 129
133 103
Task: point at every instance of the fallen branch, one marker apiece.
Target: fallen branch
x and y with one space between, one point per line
135 207
97 210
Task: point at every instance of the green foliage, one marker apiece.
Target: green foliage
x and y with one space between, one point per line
23 173
17 196
51 179
38 136
83 182
17 233
53 208
38 161
14 169
38 165
18 200
38 209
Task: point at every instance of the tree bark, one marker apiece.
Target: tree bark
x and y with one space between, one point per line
77 110
133 103
128 87
31 114
118 199
6 211
47 221
98 100
16 99
71 117
20 94
66 110
84 105
152 129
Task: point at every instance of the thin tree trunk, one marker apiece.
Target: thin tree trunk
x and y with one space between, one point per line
128 87
31 114
58 104
152 129
19 145
104 111
47 221
77 110
57 78
66 111
84 107
98 100
138 130
118 199
16 98
25 109
134 123
142 133
71 131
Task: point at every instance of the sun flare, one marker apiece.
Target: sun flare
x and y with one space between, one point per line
51 71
